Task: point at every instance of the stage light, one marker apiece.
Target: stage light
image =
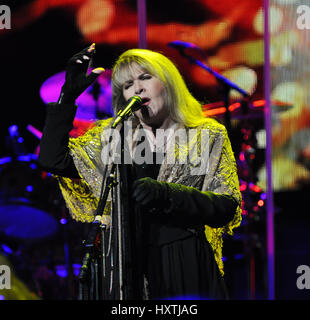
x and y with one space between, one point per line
63 221
260 203
29 188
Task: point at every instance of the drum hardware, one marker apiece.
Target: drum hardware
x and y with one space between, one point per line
32 217
252 197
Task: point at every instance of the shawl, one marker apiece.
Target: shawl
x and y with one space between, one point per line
182 164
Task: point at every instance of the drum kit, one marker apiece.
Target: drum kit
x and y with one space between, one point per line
32 211
35 229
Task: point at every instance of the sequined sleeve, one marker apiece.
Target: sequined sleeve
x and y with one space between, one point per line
222 178
82 195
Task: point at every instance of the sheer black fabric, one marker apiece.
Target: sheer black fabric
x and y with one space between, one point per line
178 263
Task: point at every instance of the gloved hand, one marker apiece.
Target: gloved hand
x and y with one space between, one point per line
199 207
77 79
147 191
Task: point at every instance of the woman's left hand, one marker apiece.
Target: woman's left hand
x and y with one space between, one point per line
148 191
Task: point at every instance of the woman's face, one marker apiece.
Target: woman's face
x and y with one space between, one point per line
151 90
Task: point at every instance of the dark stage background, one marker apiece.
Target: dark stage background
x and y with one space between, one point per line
45 34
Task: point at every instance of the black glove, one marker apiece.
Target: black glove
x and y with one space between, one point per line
147 191
199 207
77 79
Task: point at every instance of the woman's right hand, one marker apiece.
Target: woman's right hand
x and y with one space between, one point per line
77 79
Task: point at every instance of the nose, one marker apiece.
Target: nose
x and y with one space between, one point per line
138 87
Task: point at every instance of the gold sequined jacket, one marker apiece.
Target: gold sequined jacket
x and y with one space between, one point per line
219 176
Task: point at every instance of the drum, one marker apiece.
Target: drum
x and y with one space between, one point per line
28 195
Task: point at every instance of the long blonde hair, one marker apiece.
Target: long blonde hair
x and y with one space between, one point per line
182 106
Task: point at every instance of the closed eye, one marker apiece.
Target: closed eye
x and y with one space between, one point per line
127 85
143 76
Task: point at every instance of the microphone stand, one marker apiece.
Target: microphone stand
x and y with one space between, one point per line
107 268
127 281
226 86
89 288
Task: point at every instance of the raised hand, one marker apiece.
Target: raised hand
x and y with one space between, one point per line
77 79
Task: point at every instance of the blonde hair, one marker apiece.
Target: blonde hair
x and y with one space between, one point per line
182 106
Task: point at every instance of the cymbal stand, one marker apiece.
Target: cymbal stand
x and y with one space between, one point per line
252 203
225 85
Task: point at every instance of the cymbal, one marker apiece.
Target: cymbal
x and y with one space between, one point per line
23 222
251 110
93 104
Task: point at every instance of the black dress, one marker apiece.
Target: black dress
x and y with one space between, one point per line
178 263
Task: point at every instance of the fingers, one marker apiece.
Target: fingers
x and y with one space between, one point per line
141 193
144 196
140 190
144 191
139 185
136 184
89 51
82 59
85 55
98 70
91 48
93 76
136 188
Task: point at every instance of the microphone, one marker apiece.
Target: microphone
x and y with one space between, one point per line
134 104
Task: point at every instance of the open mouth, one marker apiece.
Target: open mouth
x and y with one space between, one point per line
145 101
